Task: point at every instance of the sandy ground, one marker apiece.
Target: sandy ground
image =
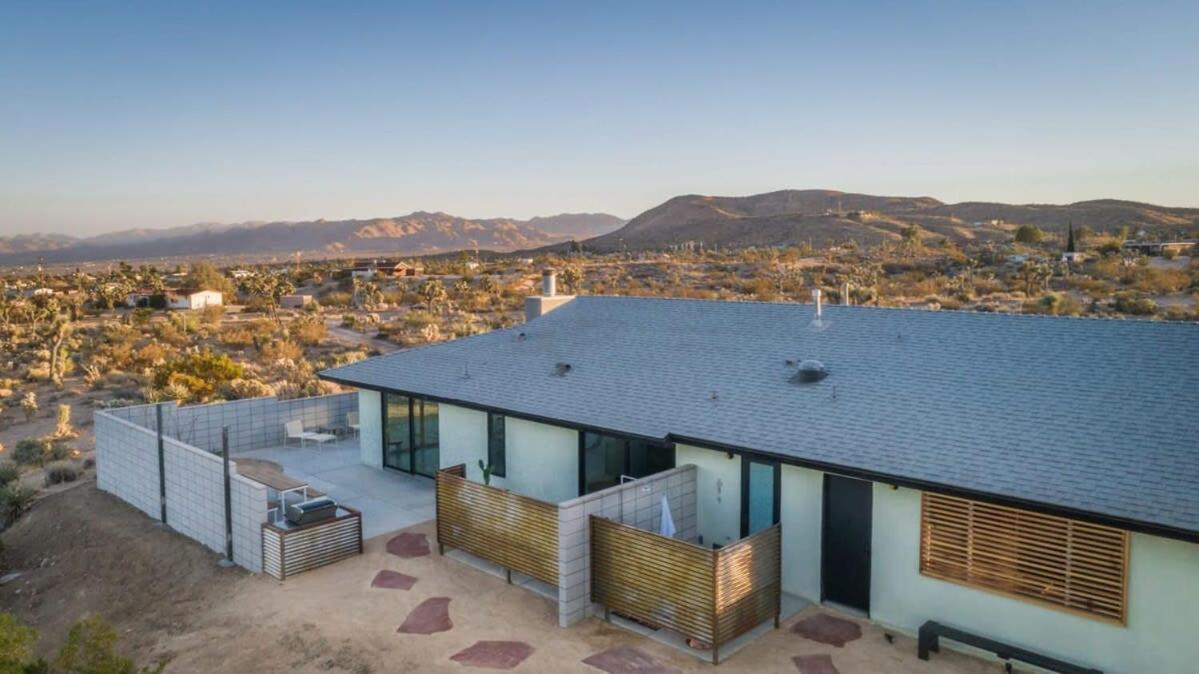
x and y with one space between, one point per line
81 551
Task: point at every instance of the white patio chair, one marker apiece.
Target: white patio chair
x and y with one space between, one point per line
294 430
352 422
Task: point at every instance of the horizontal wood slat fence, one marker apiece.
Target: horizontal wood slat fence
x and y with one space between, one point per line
288 551
1069 564
516 532
711 596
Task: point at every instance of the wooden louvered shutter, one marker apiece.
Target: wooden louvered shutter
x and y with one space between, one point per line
1066 563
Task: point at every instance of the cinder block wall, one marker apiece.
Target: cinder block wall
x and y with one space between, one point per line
127 467
254 423
638 504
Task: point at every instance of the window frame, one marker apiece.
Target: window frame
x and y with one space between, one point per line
627 442
492 419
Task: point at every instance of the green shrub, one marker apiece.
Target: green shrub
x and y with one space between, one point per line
15 500
59 472
9 473
16 647
91 648
1129 303
31 452
1029 234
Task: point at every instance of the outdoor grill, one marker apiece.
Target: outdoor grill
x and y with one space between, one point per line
314 510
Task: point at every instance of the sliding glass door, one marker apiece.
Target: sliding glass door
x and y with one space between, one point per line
425 452
410 434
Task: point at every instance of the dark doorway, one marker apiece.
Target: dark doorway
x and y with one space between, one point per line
410 434
759 495
845 562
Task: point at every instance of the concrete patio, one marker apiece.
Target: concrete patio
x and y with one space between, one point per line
389 500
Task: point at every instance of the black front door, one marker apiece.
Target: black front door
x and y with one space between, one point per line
845 563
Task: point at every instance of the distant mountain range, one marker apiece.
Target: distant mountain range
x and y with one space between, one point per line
788 217
419 233
827 217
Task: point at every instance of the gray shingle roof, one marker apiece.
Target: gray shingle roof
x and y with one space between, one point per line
1097 416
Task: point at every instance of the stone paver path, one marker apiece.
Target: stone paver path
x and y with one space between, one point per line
828 629
408 545
494 654
815 664
393 580
627 660
430 616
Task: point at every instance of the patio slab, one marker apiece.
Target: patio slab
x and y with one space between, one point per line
389 500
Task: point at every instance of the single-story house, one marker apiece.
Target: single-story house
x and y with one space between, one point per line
192 298
406 269
295 301
1030 479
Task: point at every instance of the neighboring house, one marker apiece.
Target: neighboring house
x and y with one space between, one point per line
295 301
141 298
1032 479
406 269
240 274
363 271
1160 247
190 298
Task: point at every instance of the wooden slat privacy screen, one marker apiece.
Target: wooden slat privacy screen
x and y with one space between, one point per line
712 596
288 551
1066 563
514 531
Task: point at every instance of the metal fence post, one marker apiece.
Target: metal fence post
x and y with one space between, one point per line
228 560
162 465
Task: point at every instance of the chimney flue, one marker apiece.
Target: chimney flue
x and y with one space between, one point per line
816 301
549 283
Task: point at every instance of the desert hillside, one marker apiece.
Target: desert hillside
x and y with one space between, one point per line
828 217
419 233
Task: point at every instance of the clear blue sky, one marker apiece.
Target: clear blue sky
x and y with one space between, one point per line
132 114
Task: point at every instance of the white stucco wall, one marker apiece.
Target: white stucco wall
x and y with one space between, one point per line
542 460
370 435
1163 600
463 437
718 492
801 513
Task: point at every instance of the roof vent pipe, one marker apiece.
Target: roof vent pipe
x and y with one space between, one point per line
549 283
816 301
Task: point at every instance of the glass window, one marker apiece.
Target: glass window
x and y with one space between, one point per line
605 458
496 444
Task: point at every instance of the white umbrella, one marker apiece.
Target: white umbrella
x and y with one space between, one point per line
667 527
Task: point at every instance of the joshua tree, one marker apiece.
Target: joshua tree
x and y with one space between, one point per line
572 279
29 405
1034 275
433 293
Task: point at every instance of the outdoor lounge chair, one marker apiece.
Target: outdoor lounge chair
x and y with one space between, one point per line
294 430
352 422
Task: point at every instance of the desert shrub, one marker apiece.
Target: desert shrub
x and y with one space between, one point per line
336 299
419 319
308 330
281 349
211 315
1128 303
1054 304
31 451
1175 312
202 373
1162 281
62 426
1169 253
1029 234
248 388
9 473
91 648
59 472
15 500
29 405
16 647
236 337
150 354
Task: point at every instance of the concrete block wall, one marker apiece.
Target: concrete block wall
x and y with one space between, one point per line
637 503
127 467
254 423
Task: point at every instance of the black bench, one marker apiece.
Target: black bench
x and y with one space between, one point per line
929 639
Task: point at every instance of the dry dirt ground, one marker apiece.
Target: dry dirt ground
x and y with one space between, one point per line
82 551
